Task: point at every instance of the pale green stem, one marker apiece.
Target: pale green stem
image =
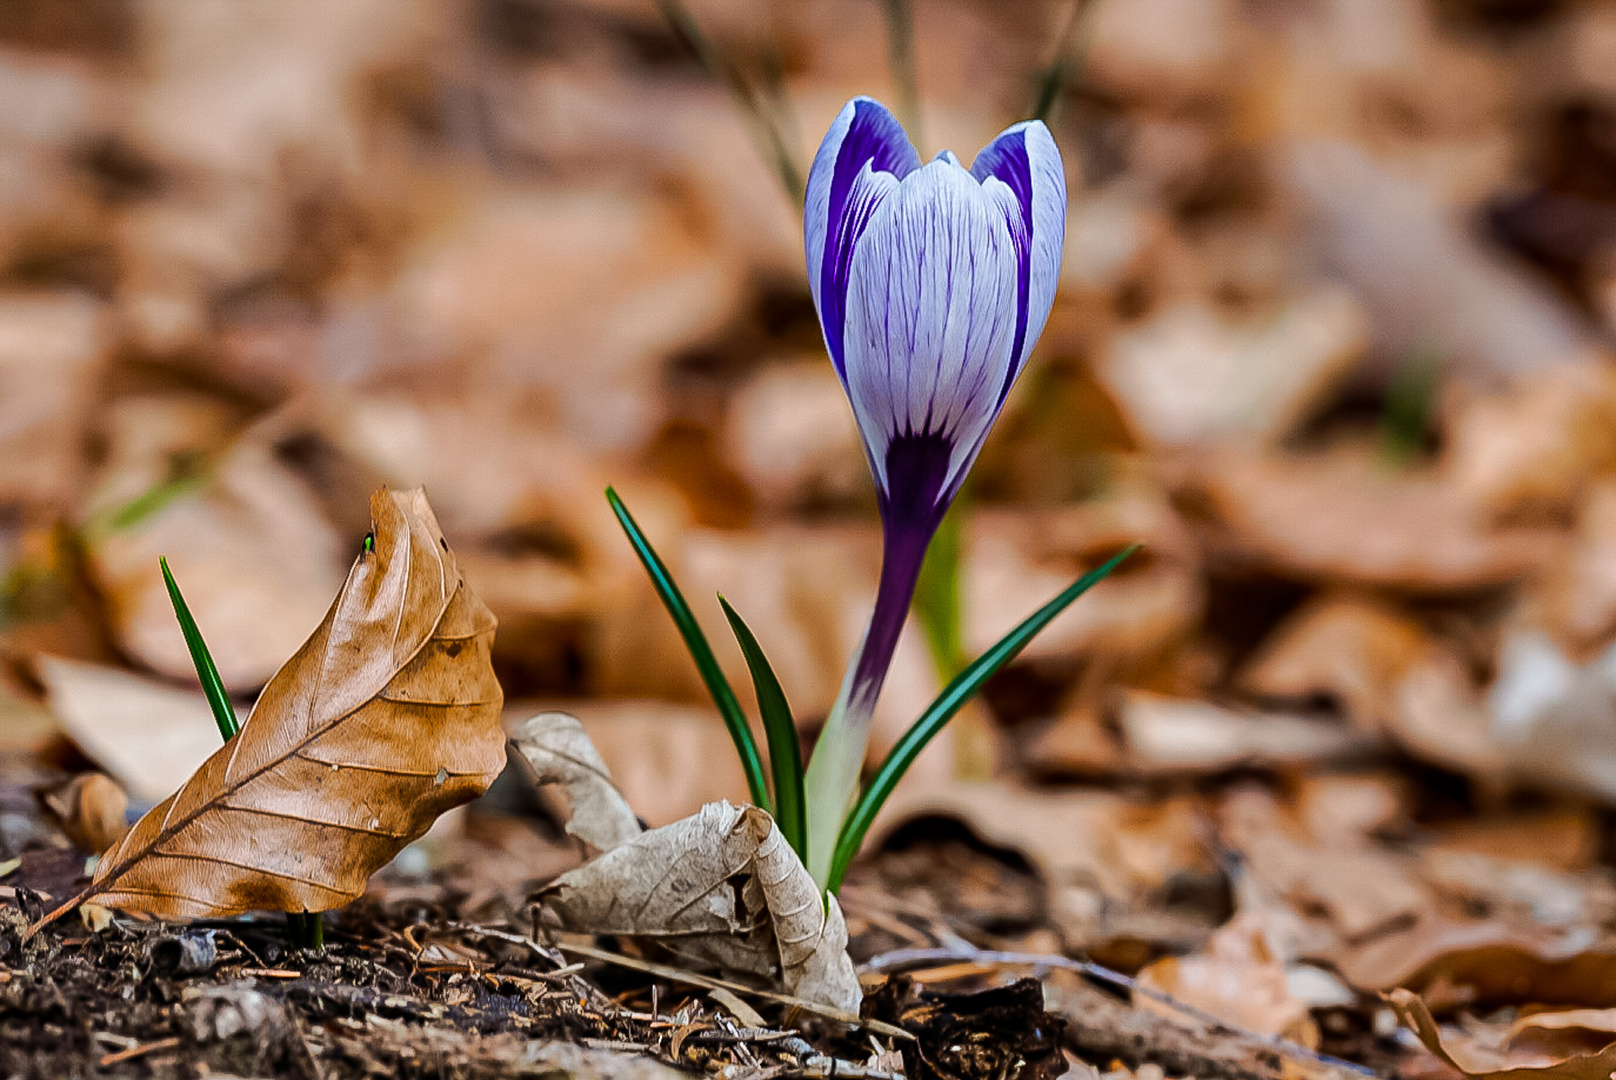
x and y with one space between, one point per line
831 781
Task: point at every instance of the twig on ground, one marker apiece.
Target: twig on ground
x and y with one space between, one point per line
139 1051
710 983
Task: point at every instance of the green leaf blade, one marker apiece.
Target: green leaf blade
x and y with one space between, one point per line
785 752
941 711
723 696
224 714
938 603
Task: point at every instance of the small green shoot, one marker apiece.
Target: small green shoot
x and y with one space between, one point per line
939 712
723 696
785 751
1410 402
212 686
186 473
307 927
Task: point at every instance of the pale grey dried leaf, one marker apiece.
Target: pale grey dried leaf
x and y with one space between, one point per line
560 752
722 888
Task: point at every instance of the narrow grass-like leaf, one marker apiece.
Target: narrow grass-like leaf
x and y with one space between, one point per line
940 712
901 58
306 929
181 481
212 686
767 134
937 602
785 753
1062 67
724 697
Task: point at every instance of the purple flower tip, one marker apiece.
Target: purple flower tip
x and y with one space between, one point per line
932 285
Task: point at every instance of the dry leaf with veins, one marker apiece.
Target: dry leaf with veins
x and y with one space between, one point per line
385 718
558 749
718 888
721 887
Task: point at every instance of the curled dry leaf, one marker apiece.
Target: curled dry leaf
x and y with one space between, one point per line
90 810
719 887
1417 1016
1304 515
1239 978
667 758
1563 1034
555 745
1481 962
1167 734
148 735
385 718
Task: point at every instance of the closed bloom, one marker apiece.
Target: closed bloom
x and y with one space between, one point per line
932 284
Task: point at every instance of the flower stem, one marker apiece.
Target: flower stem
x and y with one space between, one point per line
833 771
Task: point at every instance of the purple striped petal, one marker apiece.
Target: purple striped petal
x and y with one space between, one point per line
931 319
860 162
1022 170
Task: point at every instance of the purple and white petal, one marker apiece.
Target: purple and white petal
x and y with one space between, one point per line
1022 171
863 156
931 318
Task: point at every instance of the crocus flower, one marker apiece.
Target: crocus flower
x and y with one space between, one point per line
932 284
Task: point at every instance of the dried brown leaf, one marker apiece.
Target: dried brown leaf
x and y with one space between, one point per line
1550 713
1563 1034
1486 962
1417 1016
1306 516
385 718
148 735
1015 561
1530 451
251 546
90 810
1172 734
1360 889
53 346
1239 978
1354 647
1190 374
